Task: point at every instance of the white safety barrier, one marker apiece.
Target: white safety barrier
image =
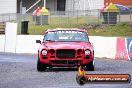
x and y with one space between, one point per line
27 43
103 46
2 43
10 37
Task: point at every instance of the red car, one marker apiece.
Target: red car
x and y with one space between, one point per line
65 47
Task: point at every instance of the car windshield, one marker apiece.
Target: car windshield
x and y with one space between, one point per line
66 36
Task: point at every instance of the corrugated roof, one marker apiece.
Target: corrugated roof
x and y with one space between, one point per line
122 2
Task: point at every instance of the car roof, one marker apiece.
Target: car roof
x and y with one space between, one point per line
59 29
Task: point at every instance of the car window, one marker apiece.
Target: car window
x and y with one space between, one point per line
66 36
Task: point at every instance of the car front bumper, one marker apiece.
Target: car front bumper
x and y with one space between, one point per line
66 62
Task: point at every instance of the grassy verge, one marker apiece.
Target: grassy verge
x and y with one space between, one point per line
122 30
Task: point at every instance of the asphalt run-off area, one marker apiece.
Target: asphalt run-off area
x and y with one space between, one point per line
19 71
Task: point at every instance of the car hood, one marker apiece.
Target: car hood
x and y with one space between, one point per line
67 45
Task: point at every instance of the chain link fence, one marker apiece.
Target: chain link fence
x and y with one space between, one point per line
67 19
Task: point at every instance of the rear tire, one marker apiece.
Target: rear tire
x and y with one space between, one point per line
41 67
90 66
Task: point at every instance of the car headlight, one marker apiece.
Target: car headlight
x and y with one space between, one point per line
87 52
44 52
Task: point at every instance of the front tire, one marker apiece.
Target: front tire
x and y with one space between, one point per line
40 67
90 67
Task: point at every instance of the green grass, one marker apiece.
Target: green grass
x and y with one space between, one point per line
72 20
122 30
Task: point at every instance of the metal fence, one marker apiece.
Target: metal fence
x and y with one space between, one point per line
72 18
68 17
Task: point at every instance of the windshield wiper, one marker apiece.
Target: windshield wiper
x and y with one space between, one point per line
50 40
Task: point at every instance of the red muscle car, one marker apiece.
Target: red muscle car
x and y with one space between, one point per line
65 47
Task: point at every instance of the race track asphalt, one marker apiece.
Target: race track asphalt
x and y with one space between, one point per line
19 71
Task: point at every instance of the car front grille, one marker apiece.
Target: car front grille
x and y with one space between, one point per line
68 62
65 53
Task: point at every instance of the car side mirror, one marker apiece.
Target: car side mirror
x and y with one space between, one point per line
38 41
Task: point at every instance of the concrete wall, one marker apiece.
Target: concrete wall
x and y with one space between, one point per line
103 46
8 6
2 43
94 4
27 44
83 4
10 37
